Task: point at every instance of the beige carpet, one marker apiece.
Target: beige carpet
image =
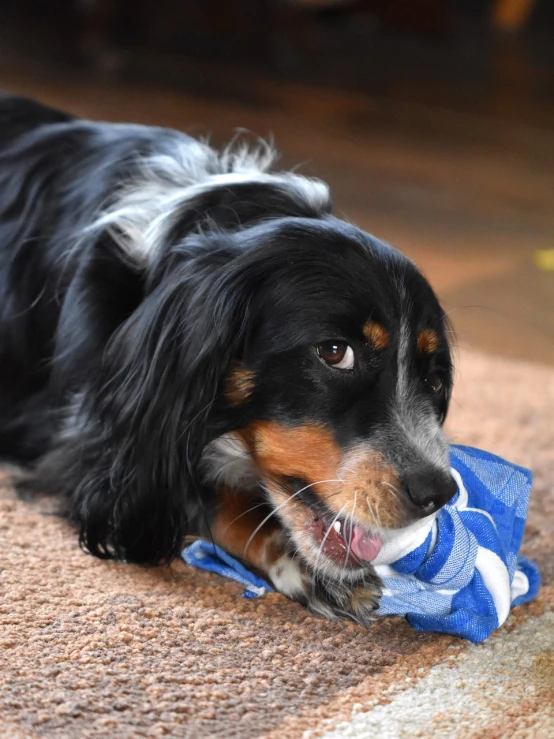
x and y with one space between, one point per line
95 649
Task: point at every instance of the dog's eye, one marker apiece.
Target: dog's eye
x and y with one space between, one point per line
337 354
434 382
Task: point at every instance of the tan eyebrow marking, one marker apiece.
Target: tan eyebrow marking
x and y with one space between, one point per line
376 335
427 341
239 385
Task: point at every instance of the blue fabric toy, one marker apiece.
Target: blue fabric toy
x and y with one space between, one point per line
457 573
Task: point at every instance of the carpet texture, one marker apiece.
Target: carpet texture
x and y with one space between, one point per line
100 649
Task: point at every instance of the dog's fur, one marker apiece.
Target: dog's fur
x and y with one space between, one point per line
166 317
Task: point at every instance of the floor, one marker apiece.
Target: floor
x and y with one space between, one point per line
95 649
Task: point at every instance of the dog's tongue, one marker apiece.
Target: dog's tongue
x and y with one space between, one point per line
364 545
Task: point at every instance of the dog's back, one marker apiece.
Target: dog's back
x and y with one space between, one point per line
56 171
23 343
75 191
19 115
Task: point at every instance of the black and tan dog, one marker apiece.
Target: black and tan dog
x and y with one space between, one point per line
191 344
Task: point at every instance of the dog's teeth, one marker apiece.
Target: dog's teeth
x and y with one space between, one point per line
337 526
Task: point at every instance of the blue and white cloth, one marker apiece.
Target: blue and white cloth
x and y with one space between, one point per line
458 572
210 557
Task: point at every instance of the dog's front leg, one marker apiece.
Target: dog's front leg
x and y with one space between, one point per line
245 528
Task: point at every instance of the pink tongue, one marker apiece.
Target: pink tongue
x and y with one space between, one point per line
364 545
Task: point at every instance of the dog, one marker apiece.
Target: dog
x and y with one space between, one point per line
192 345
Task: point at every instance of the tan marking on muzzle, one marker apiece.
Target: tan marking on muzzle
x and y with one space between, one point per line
239 385
369 491
377 335
308 452
427 341
360 482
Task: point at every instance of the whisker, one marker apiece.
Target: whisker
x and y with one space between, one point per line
273 512
378 517
249 510
348 469
351 527
281 505
371 511
320 550
394 490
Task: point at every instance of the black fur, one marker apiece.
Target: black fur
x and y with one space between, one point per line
113 368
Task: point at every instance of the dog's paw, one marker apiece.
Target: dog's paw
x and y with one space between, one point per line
354 601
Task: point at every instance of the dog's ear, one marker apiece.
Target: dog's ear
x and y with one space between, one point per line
131 462
448 368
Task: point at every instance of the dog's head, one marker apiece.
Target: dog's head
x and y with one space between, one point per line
339 387
323 350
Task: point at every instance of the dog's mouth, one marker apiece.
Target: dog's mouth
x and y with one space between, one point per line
346 544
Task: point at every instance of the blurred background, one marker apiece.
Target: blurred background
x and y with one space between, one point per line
432 120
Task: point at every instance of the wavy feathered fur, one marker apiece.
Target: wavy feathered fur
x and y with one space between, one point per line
104 273
139 269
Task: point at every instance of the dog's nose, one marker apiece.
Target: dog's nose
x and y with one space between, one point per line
429 490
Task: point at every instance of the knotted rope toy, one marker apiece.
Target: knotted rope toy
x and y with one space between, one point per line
458 572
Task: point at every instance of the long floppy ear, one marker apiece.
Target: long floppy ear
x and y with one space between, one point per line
130 465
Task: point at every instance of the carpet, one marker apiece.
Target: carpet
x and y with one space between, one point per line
102 649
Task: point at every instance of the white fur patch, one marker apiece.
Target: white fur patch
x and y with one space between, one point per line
227 461
148 207
287 576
